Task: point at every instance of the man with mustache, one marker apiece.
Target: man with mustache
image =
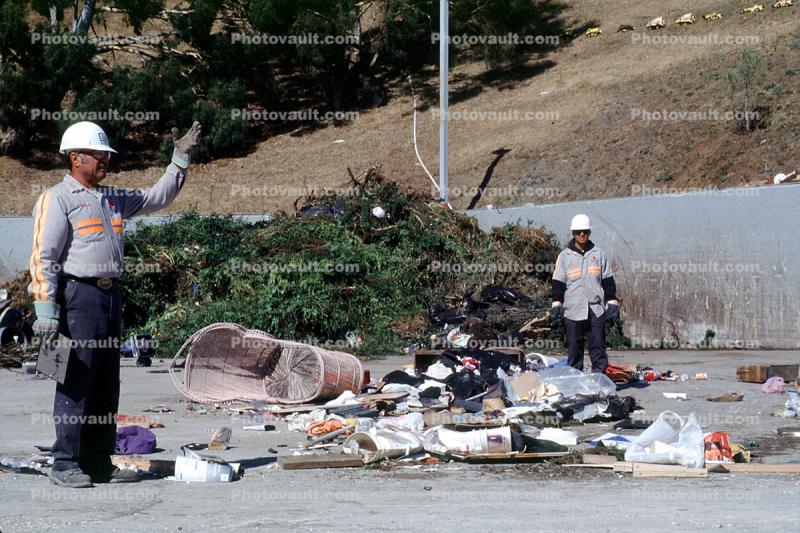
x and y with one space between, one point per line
76 265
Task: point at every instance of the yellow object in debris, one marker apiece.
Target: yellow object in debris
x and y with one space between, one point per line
783 3
656 23
688 18
713 16
753 9
593 32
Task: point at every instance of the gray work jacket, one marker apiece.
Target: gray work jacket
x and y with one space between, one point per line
79 231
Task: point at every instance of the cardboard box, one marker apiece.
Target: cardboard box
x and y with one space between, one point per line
787 372
752 373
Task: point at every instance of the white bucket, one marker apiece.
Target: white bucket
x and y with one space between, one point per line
496 440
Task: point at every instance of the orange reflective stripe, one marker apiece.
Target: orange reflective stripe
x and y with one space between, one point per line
89 222
574 273
595 269
118 224
40 285
91 229
34 264
118 229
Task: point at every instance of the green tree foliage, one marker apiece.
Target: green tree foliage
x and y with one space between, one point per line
191 65
744 78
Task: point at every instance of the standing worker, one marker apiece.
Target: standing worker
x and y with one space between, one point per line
584 292
76 266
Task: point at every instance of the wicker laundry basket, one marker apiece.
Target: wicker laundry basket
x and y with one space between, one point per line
226 363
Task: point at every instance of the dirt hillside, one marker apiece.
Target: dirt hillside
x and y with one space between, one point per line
603 116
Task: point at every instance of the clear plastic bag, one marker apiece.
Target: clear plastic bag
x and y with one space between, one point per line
571 381
669 440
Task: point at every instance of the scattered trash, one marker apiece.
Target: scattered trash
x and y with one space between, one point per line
32 466
718 447
670 440
220 439
559 436
656 23
611 440
259 427
227 362
792 408
479 441
728 397
570 381
686 19
193 467
773 385
784 178
159 409
789 432
378 444
135 440
752 373
675 395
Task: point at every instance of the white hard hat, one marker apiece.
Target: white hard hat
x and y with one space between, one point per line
580 222
85 136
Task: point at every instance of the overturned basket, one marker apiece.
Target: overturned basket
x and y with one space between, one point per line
226 363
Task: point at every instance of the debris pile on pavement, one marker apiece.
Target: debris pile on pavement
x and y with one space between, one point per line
492 406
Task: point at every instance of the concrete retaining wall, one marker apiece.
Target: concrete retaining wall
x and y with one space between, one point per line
725 260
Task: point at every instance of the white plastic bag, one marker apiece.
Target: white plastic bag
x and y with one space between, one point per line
410 422
669 440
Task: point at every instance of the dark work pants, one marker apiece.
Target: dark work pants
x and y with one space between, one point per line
594 330
86 404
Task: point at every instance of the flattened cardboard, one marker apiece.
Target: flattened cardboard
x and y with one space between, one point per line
54 358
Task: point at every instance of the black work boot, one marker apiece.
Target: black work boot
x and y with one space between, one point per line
123 475
73 478
102 470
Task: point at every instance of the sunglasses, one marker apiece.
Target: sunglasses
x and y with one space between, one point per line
98 155
582 232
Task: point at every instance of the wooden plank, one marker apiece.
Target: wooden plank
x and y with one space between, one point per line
595 459
623 467
163 467
296 409
652 470
507 457
303 462
755 468
382 396
605 466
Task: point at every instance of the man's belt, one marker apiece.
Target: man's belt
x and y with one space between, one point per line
105 284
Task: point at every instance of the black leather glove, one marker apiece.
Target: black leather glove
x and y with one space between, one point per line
556 314
612 310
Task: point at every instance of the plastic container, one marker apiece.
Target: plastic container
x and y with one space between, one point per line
479 441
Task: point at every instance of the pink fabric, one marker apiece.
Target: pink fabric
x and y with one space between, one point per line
773 385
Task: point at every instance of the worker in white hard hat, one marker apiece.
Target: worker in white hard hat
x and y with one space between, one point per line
584 295
76 265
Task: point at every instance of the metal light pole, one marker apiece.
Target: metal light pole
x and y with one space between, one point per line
444 71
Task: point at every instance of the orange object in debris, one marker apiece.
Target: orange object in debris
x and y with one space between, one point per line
318 429
718 447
